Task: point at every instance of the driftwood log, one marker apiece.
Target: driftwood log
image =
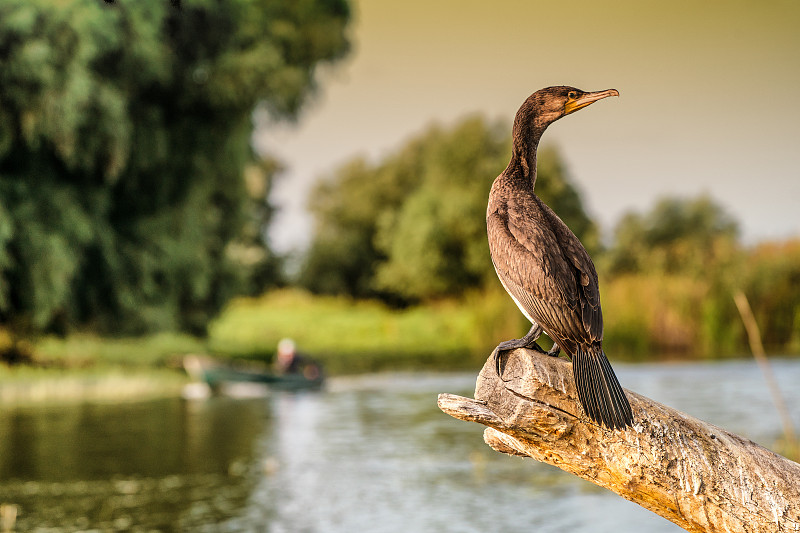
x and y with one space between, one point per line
692 473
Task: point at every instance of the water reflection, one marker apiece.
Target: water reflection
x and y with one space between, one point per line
371 454
158 464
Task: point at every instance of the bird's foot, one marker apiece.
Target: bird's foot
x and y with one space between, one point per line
536 348
554 351
528 341
512 344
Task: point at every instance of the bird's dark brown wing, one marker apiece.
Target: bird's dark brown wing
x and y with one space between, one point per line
586 275
547 271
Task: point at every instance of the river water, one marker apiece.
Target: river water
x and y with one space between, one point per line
368 454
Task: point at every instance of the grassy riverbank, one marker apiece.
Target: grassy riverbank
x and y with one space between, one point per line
348 336
352 337
364 336
91 351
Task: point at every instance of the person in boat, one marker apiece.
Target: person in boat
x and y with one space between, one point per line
290 361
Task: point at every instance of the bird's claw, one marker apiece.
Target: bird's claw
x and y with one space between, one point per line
536 348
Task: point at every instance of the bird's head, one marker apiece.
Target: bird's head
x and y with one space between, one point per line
545 106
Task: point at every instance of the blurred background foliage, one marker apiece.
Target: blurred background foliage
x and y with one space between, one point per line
130 197
131 202
411 227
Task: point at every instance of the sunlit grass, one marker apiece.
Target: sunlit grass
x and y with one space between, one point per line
88 367
348 336
351 336
649 316
84 350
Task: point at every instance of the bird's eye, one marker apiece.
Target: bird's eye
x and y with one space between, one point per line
572 95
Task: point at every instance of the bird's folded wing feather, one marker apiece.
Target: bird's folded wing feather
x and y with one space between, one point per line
589 289
540 271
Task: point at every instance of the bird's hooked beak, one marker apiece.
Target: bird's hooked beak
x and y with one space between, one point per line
585 99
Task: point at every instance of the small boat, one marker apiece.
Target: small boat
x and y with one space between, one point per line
218 375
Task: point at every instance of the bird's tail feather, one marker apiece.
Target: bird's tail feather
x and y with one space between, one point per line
599 391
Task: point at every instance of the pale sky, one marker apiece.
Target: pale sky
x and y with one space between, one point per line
708 101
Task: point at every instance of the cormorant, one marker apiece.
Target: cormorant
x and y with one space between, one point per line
545 268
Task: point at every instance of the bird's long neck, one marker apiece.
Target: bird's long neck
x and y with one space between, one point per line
526 135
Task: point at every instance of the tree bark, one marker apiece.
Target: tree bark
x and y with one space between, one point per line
699 476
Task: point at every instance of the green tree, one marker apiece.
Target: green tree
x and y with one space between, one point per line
413 226
130 198
678 236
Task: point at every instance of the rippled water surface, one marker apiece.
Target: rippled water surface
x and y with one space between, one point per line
369 454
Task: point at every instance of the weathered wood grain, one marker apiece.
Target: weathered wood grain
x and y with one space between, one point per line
699 476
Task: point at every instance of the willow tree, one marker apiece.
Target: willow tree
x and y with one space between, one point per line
130 197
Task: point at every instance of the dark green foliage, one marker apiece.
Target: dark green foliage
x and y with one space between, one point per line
412 227
130 199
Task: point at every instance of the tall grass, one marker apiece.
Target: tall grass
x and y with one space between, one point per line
87 367
87 350
649 316
693 314
352 336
